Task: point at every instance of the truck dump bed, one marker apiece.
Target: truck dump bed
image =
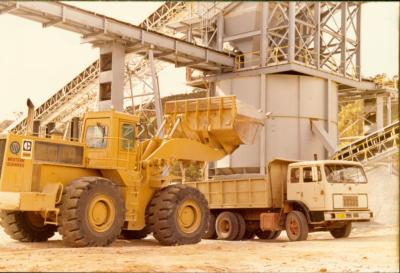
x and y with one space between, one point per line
251 192
242 192
219 122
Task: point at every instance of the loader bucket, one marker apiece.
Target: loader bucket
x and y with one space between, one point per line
219 122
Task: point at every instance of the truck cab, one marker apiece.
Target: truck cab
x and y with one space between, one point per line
330 190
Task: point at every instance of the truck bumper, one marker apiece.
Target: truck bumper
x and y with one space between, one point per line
364 215
27 201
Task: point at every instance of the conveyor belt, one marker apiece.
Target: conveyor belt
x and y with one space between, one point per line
379 144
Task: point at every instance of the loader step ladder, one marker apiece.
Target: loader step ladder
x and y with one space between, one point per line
380 144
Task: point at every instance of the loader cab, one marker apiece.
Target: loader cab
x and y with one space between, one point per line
110 139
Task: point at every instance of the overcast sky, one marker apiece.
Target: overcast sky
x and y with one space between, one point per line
36 62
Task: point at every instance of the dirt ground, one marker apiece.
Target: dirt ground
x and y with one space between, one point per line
371 248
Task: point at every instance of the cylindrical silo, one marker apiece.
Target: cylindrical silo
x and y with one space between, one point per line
293 101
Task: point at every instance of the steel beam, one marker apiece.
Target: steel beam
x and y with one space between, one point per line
156 90
323 136
84 22
263 36
292 31
379 112
343 38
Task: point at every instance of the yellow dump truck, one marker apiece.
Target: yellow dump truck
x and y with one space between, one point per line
111 181
299 197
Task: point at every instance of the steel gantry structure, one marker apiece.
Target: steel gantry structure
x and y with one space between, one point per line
82 90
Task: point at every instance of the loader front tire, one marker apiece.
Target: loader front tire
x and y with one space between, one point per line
178 215
26 226
92 212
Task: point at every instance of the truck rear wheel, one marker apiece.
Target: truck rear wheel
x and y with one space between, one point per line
178 215
342 232
92 212
296 226
210 231
227 226
242 227
26 226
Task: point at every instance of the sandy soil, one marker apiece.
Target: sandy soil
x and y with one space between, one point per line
371 248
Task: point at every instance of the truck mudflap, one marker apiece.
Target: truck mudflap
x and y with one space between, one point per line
365 215
44 201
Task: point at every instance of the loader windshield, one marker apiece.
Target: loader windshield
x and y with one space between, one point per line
336 173
96 136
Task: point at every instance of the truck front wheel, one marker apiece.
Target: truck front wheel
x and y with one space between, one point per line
92 212
342 232
26 226
296 226
178 215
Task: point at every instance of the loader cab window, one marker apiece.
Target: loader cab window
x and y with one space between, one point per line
127 136
295 175
96 136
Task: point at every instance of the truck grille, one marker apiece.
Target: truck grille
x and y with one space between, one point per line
350 201
2 150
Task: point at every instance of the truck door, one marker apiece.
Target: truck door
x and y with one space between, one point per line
312 188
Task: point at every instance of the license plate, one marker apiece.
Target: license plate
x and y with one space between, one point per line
340 216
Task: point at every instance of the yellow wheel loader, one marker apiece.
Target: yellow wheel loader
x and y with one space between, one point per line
110 183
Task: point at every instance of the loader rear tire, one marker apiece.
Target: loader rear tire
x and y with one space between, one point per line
26 226
210 231
227 226
178 215
92 212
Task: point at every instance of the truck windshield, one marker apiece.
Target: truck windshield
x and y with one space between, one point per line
336 173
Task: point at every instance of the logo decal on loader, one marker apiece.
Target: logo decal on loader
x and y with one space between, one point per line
26 149
14 147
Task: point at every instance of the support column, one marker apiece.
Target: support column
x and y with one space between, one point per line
264 33
358 39
156 90
389 110
344 37
220 31
292 34
379 112
263 129
317 38
111 78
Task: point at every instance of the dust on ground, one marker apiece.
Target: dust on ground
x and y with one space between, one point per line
371 248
